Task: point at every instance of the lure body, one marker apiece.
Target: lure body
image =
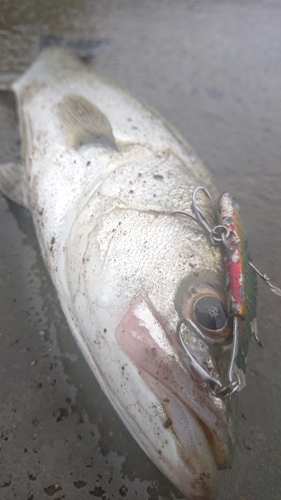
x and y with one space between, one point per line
234 256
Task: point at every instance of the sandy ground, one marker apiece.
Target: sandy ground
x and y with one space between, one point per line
212 68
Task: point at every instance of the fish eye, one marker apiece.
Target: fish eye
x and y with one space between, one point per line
210 313
204 302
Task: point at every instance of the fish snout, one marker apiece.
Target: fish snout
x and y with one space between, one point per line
191 422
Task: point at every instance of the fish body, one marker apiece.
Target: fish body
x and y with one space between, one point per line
102 176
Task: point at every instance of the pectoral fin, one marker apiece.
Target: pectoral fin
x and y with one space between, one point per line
12 183
12 173
84 124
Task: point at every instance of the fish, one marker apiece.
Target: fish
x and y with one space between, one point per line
110 184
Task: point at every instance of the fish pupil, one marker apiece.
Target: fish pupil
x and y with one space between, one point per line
210 313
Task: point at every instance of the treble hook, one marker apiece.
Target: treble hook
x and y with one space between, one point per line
219 390
199 216
215 234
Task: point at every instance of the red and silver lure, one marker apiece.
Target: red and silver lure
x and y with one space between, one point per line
233 255
229 235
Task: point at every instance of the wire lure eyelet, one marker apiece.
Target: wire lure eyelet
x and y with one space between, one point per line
219 234
229 389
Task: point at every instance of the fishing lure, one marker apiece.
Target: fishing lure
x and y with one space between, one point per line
229 235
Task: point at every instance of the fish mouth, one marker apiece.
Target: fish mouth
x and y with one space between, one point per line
146 342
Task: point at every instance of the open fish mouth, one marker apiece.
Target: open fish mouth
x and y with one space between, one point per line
184 399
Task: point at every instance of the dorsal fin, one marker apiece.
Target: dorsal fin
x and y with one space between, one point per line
84 124
84 48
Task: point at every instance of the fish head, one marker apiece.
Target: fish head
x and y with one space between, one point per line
188 406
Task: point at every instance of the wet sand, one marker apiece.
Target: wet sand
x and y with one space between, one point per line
212 69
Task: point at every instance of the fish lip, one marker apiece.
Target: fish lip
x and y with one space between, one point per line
206 430
213 400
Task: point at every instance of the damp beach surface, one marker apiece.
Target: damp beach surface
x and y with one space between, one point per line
212 69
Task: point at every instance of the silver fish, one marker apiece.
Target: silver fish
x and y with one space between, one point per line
103 176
